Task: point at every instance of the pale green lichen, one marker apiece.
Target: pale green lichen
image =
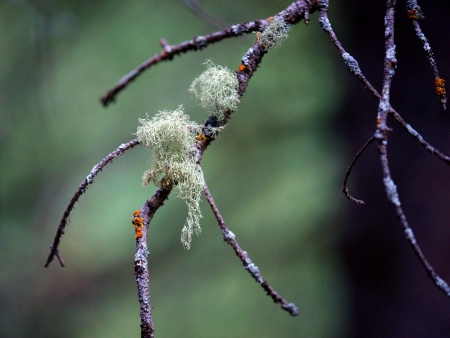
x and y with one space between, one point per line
171 136
274 34
216 88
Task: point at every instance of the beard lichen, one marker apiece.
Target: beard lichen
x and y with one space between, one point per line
171 136
274 34
216 88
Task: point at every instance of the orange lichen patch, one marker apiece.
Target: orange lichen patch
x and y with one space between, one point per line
270 18
440 86
138 231
415 14
378 120
201 137
138 223
242 67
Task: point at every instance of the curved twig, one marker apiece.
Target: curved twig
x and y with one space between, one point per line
81 189
347 174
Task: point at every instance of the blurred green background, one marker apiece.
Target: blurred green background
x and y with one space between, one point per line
275 174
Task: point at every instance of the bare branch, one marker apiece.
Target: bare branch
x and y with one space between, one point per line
419 138
230 238
350 61
82 188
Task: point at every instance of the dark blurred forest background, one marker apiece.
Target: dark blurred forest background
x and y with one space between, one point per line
276 174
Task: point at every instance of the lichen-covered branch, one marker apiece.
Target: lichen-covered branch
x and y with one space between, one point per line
382 137
249 64
172 136
384 110
141 271
353 67
415 14
295 12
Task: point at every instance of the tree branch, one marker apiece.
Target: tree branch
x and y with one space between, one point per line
295 12
353 67
249 64
415 14
253 270
82 188
142 220
384 110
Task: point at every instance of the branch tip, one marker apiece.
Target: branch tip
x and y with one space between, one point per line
349 170
80 191
54 253
253 270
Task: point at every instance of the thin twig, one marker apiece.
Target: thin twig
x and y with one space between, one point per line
419 138
350 61
295 12
415 13
253 270
347 175
81 189
169 51
204 15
